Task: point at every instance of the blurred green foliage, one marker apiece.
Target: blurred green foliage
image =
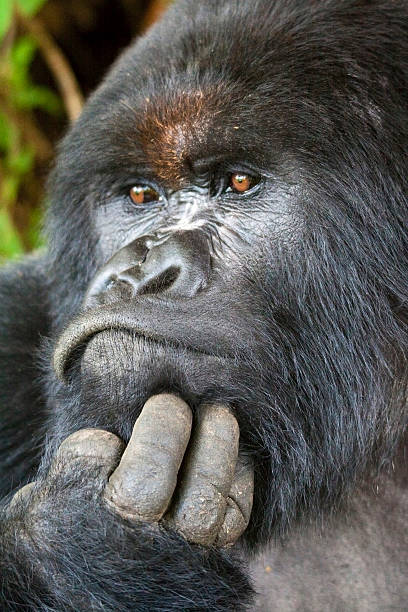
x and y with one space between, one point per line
7 7
19 97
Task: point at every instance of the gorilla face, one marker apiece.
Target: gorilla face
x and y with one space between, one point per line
185 289
222 232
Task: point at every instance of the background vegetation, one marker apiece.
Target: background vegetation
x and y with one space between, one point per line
52 54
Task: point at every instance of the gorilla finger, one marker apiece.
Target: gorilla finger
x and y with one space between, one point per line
94 448
239 505
201 501
21 496
143 484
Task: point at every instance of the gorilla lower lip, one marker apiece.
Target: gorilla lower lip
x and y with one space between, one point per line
160 322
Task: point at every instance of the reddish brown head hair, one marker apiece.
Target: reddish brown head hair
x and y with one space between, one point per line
173 130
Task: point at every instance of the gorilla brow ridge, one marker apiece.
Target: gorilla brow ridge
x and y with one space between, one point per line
171 130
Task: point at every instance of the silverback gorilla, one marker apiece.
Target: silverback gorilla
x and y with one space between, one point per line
211 357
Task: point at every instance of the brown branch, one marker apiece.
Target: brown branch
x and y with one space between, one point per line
58 65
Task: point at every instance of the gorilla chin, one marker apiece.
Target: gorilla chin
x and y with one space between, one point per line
121 370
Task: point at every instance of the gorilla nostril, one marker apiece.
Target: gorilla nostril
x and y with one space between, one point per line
161 282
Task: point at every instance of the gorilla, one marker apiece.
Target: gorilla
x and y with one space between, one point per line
203 380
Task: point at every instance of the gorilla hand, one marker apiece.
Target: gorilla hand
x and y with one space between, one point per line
106 526
205 494
213 500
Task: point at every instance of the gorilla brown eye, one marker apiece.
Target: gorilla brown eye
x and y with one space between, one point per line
142 194
240 182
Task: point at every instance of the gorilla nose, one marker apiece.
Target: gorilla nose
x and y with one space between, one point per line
178 265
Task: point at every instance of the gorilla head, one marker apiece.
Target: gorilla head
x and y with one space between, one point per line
227 222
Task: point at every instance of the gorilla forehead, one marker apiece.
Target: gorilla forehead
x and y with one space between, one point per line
167 132
178 129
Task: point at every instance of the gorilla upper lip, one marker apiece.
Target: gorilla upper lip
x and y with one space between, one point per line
168 322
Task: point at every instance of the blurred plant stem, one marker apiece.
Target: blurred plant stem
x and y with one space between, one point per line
25 149
58 65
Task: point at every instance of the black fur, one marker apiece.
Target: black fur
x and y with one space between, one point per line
311 270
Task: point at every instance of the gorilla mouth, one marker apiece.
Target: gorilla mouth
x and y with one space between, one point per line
160 321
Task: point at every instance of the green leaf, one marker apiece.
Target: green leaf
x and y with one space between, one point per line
10 243
35 96
21 56
6 133
23 93
6 15
30 7
22 162
9 189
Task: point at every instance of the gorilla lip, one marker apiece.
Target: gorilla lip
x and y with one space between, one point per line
159 322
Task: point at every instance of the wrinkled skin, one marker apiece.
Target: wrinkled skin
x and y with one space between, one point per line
211 355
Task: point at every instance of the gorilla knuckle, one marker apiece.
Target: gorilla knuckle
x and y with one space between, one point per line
22 496
91 444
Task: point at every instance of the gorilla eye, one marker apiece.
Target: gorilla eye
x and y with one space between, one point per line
142 194
240 182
